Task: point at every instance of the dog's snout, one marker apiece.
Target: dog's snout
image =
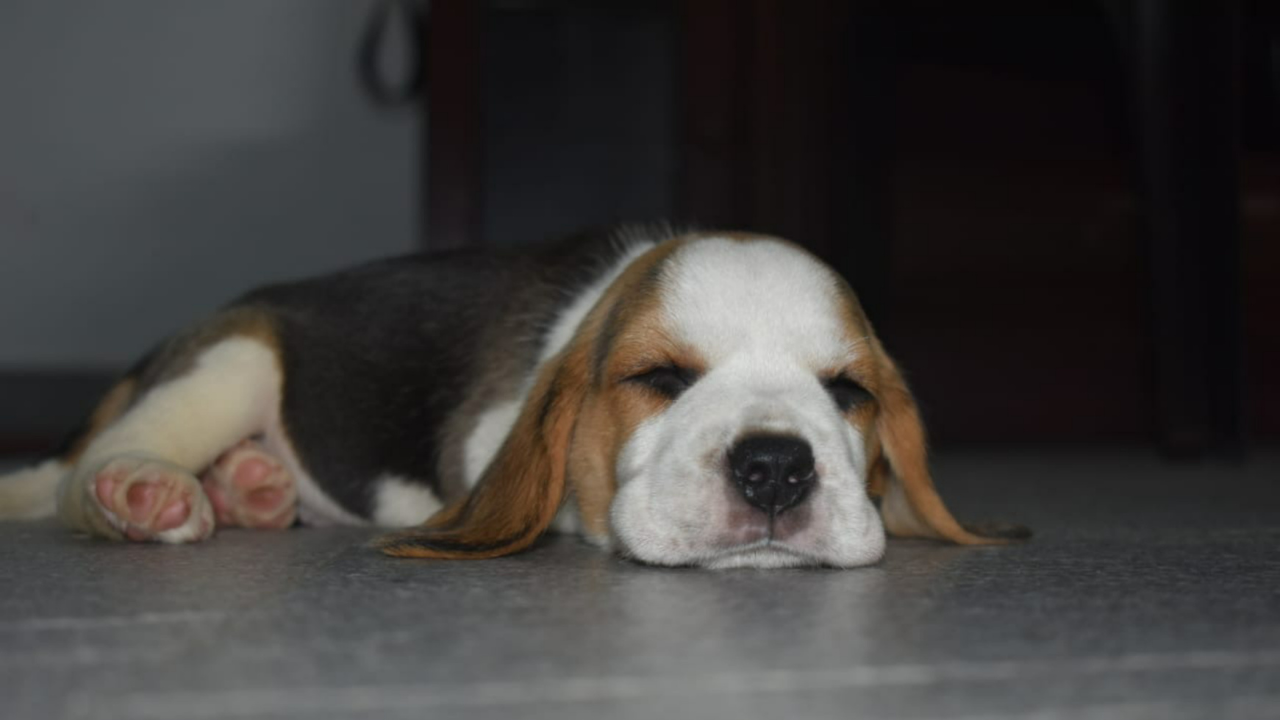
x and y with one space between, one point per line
773 472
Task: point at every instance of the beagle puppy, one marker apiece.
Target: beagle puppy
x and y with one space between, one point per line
707 399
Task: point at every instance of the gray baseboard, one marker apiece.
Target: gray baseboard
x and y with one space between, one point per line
39 407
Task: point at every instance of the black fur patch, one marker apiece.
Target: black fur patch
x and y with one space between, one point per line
378 357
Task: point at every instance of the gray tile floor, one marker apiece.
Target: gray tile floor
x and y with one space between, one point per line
1150 591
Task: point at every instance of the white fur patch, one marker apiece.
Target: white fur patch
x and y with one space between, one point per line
401 503
762 298
765 317
31 493
232 392
490 432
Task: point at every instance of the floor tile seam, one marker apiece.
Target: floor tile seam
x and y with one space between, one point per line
327 700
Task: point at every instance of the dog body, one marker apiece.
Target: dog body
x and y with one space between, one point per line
709 399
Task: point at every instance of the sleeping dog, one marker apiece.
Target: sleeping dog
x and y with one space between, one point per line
706 398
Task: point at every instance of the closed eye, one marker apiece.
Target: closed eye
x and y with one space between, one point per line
668 381
846 393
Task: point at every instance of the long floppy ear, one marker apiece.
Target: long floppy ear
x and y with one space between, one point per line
910 505
521 490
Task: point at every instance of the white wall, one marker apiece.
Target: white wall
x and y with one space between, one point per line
158 157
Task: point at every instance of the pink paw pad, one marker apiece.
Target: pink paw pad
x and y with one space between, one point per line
250 488
147 499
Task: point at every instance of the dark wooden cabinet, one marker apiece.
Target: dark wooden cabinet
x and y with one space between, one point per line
1049 210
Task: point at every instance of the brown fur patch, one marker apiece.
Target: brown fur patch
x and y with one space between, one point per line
877 467
902 437
896 446
632 338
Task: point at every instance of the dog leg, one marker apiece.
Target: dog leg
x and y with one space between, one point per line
136 479
250 488
145 498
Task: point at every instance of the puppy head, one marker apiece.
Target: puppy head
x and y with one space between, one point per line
725 404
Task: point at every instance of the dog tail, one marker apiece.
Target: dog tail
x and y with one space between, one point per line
31 493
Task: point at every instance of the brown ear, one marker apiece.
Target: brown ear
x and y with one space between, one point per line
521 490
910 505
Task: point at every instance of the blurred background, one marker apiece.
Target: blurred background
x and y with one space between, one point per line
1063 217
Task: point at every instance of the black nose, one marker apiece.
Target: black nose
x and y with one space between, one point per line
773 472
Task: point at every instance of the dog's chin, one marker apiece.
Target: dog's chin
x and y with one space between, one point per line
758 551
762 554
